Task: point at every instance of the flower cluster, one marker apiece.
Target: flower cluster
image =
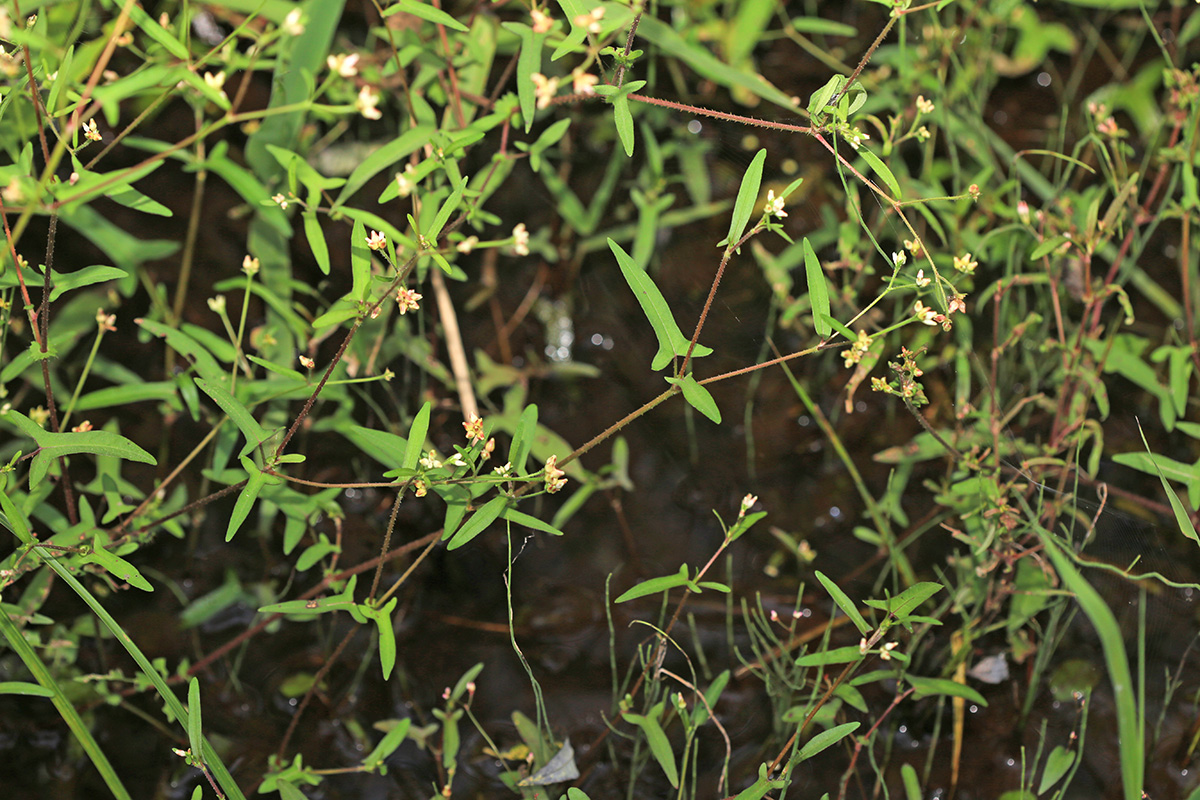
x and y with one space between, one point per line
407 300
858 349
774 205
554 477
474 428
907 372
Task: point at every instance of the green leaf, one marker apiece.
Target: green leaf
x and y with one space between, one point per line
1057 764
926 687
195 726
758 790
747 197
826 739
660 745
404 145
426 12
246 498
671 44
25 688
698 397
360 261
531 522
388 744
818 292
838 655
116 566
844 603
316 240
1181 515
202 361
387 637
255 434
157 32
416 437
443 214
820 98
522 438
656 585
62 282
905 602
52 446
529 61
479 522
881 169
671 342
624 122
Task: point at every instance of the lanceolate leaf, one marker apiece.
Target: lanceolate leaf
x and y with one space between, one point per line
818 293
826 739
881 169
656 585
416 437
116 566
844 603
255 434
698 397
52 446
747 196
671 342
479 522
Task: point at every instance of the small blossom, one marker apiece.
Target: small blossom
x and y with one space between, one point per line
455 460
368 103
583 82
926 314
216 83
216 304
774 207
747 503
520 239
923 105
899 258
554 476
307 362
542 22
886 652
107 322
446 693
292 24
591 20
430 461
545 89
375 312
974 191
488 449
280 201
344 64
1023 211
250 265
40 415
965 264
89 131
921 280
853 136
467 244
913 246
419 488
862 646
12 193
376 241
1110 128
407 300
923 134
857 349
474 428
958 304
82 427
774 615
504 471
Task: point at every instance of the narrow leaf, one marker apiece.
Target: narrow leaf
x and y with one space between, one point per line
844 603
747 197
416 437
818 293
195 726
426 12
656 585
387 637
671 342
316 240
881 169
116 566
926 687
478 522
838 655
826 739
255 434
245 502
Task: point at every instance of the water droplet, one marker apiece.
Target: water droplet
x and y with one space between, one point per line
1043 79
695 126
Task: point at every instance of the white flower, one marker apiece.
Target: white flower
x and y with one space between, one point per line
545 89
292 24
774 206
923 105
926 314
520 239
344 64
376 241
542 22
89 131
899 258
216 83
747 503
430 461
922 281
368 102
